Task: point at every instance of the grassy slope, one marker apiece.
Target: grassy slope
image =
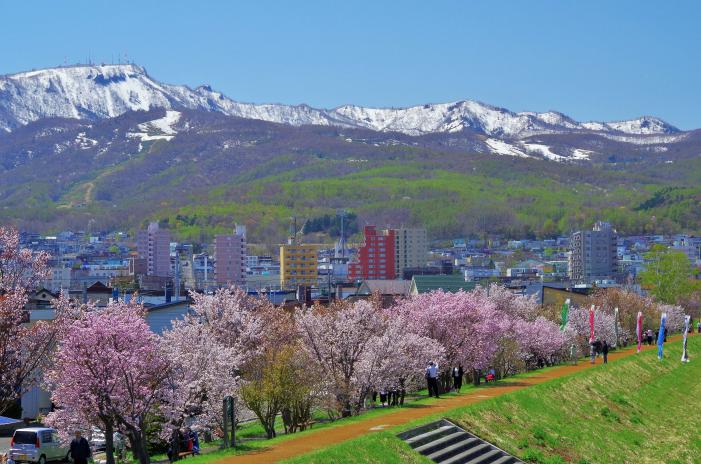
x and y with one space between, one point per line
410 192
634 410
512 196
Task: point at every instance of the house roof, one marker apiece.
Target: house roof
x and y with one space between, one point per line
448 283
99 287
45 291
385 287
155 307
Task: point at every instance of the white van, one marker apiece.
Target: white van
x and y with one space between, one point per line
38 445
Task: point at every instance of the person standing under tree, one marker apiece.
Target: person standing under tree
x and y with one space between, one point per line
80 449
432 378
605 351
119 446
457 378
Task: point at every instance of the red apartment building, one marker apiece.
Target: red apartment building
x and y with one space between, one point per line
376 258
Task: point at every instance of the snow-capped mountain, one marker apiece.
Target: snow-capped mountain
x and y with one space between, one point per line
98 92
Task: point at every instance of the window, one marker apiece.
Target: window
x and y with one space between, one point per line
24 438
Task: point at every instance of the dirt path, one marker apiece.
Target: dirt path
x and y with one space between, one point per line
326 437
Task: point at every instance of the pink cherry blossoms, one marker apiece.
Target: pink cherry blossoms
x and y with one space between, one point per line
108 369
24 348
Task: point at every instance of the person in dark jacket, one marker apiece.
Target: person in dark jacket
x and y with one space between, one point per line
80 449
457 378
605 351
176 439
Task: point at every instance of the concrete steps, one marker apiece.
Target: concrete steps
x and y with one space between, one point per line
446 443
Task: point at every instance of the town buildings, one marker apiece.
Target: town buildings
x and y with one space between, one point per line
593 255
411 249
153 247
377 257
298 264
389 253
230 258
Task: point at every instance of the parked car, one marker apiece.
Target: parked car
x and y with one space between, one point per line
38 445
97 439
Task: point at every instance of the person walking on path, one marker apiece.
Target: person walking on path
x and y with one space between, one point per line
119 446
457 378
698 326
80 449
605 351
573 354
432 378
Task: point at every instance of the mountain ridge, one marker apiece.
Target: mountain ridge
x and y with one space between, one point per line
104 91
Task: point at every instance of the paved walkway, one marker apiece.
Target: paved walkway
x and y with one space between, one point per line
325 437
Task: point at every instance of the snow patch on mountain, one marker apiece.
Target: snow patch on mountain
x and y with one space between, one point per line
158 129
84 142
647 139
499 147
164 125
544 151
581 154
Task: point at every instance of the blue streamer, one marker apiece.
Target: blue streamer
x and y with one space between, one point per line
660 336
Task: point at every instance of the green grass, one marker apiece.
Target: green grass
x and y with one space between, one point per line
381 447
251 436
638 409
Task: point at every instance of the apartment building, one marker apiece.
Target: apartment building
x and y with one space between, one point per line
593 254
230 258
376 257
153 246
411 249
298 264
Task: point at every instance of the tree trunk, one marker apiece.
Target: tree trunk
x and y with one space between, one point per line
269 426
475 377
138 446
109 441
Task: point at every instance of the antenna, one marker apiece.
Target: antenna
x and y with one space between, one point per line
292 236
342 213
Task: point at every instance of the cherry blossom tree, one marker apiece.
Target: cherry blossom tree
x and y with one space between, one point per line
604 327
339 338
108 365
210 349
628 303
488 327
24 347
466 324
203 373
509 303
360 347
541 341
396 359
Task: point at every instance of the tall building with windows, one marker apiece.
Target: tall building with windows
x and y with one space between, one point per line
153 247
298 264
376 257
593 254
411 249
388 252
230 258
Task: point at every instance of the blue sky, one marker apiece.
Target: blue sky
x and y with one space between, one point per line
593 60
